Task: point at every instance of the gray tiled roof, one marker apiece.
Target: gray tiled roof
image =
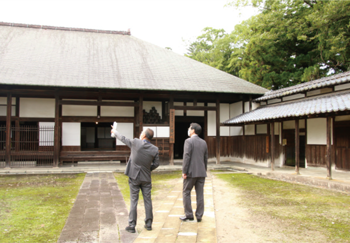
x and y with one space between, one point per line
315 84
318 105
33 55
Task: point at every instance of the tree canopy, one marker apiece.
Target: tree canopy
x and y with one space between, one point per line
287 43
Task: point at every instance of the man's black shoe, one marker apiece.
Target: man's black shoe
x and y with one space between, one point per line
130 229
184 218
199 220
148 227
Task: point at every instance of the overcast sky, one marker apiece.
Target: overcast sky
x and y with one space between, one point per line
166 23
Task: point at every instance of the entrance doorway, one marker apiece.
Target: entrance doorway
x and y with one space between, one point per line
181 128
96 136
289 135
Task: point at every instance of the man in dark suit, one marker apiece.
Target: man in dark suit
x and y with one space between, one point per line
194 171
143 159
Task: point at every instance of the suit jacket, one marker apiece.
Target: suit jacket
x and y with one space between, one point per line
143 159
195 157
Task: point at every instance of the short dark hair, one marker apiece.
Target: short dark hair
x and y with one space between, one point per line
197 128
149 133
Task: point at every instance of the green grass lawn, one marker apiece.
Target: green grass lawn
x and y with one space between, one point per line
159 180
322 210
34 208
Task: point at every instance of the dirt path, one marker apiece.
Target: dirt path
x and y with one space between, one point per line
236 223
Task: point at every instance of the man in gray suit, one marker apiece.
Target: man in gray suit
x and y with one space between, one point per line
143 159
194 171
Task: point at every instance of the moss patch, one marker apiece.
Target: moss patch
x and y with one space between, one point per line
34 208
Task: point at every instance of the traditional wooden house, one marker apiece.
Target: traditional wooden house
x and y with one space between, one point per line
61 89
303 125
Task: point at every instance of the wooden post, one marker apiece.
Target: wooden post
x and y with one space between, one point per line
217 131
140 115
205 128
272 150
17 132
250 102
8 131
329 155
56 155
297 146
171 124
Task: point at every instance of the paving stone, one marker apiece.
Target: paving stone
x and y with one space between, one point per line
186 239
189 226
167 236
206 235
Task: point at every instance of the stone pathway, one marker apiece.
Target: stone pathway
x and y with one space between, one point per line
100 215
167 227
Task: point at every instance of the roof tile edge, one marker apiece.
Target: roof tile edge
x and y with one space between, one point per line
48 27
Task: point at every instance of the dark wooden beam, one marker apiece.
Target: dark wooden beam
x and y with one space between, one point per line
195 108
8 130
90 119
297 146
97 103
56 156
272 151
250 102
205 134
329 154
140 115
217 131
171 145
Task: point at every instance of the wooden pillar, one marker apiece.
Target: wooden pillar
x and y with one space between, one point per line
8 131
171 145
140 115
250 102
205 128
17 126
272 150
297 146
329 155
56 154
217 131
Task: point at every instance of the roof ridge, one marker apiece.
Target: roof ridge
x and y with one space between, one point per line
313 84
49 27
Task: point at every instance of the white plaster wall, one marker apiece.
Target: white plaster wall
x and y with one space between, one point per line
293 97
261 129
211 123
195 113
147 106
255 105
46 138
79 110
249 129
342 87
160 131
71 134
317 131
127 130
273 101
117 111
277 128
179 113
3 110
235 110
163 132
3 100
342 118
291 124
224 115
246 106
33 107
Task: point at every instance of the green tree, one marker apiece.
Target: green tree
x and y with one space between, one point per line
288 42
